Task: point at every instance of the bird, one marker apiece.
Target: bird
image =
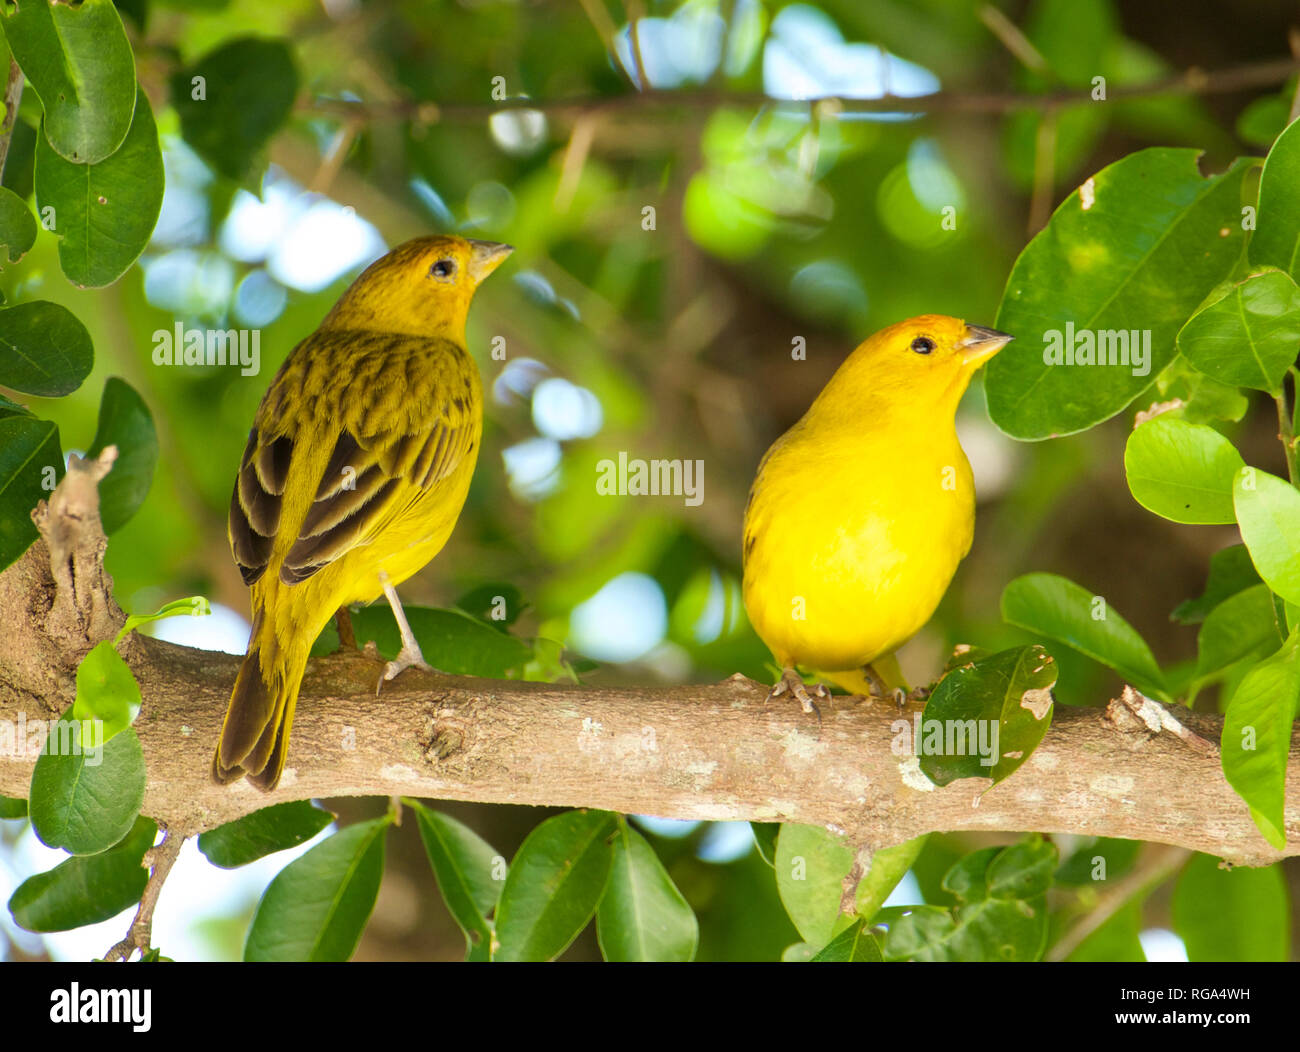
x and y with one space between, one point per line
861 512
355 472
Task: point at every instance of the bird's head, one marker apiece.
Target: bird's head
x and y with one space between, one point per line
422 287
925 361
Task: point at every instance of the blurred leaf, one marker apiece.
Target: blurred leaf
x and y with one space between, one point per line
17 226
554 885
1268 512
1239 626
263 833
1276 241
1182 471
125 422
86 890
30 459
851 946
106 690
248 87
1256 741
1058 608
1238 914
104 213
765 834
317 906
1231 571
1009 693
1116 939
642 916
1249 337
451 641
44 349
465 866
1263 119
12 808
79 62
1101 859
811 864
86 802
1141 256
498 605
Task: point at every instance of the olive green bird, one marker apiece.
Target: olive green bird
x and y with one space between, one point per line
355 472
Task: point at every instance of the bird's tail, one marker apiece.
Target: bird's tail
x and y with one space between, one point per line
255 733
855 680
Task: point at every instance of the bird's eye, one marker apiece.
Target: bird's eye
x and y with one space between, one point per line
443 270
923 345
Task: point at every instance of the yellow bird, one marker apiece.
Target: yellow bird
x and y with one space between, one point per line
355 472
861 512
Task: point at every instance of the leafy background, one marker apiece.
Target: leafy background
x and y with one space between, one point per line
771 225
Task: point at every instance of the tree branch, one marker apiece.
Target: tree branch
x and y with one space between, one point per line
1193 81
707 751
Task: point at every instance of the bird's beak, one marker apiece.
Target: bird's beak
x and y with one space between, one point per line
485 257
981 344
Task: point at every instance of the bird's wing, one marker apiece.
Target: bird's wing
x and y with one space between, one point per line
399 415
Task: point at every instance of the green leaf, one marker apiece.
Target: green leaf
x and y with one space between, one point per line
248 87
17 225
317 906
1256 740
86 890
1058 608
104 213
79 62
469 872
263 833
851 946
1231 571
1099 859
811 864
1117 939
1249 337
12 808
194 606
1142 256
1268 512
86 792
1263 119
888 867
1182 471
30 463
554 885
106 690
986 717
1241 625
44 349
765 834
125 422
1201 399
498 605
1238 914
642 916
451 641
1002 915
1276 241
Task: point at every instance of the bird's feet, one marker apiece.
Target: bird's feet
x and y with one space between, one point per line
408 657
792 683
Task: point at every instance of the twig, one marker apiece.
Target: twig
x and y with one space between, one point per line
1040 202
1293 38
1154 869
1286 434
1013 39
160 859
13 96
1191 82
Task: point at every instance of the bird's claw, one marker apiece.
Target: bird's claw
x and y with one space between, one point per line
791 682
407 657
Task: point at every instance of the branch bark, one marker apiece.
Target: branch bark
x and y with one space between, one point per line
702 751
